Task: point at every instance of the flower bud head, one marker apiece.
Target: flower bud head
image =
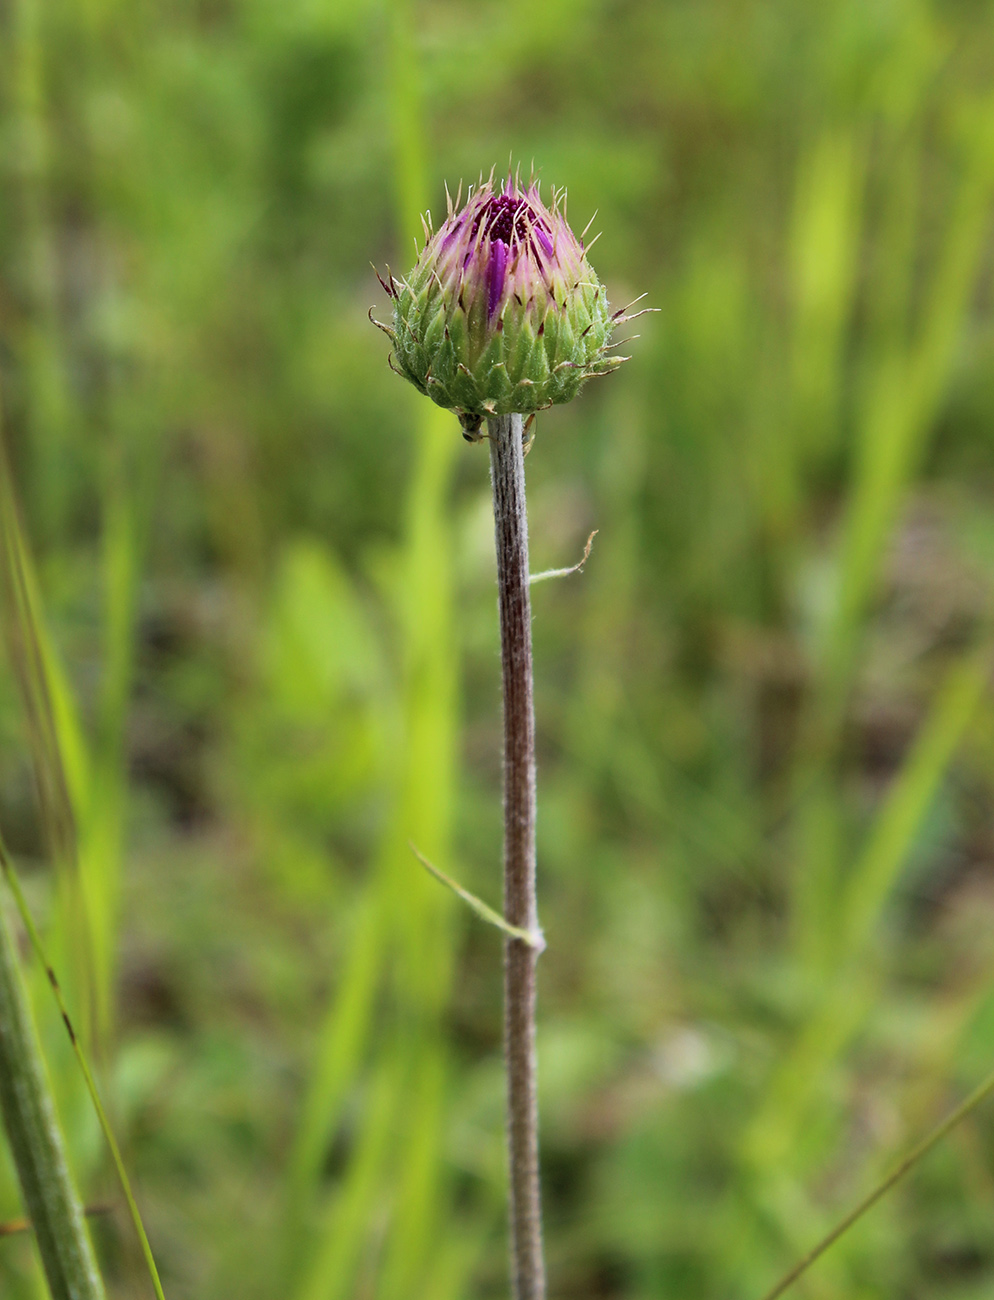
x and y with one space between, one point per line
502 313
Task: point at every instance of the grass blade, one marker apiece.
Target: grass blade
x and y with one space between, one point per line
932 1139
905 807
347 1219
842 1004
37 1146
28 921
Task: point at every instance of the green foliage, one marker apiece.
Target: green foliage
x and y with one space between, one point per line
255 652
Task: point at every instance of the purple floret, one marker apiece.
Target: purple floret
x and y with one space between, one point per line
496 268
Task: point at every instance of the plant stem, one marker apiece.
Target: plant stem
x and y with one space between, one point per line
507 473
36 1144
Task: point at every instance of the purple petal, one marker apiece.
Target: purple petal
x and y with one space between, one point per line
496 268
544 240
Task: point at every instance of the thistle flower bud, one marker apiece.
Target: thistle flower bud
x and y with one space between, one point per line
502 313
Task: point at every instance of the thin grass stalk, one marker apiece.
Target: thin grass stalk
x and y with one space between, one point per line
36 1145
921 1149
507 471
30 661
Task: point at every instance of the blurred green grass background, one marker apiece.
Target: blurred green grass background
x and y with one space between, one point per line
250 641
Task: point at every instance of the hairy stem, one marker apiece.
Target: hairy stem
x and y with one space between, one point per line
511 531
36 1145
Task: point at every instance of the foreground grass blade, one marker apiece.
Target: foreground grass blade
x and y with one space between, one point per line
979 1094
36 1144
15 888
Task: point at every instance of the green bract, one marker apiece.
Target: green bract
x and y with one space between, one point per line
502 313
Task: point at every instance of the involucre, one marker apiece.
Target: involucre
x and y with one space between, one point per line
503 312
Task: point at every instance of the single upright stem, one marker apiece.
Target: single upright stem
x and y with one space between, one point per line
507 472
36 1145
